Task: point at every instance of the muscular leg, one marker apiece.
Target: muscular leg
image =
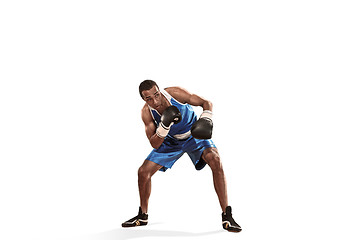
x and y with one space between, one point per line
145 173
212 158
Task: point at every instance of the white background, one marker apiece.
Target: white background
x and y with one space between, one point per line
282 75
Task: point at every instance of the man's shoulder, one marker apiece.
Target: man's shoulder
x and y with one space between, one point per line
173 89
145 113
176 91
179 93
145 108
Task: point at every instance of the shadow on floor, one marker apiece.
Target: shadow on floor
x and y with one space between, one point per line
131 233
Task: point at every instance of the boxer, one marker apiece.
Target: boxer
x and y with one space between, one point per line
173 129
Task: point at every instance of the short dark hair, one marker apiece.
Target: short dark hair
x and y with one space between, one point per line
146 85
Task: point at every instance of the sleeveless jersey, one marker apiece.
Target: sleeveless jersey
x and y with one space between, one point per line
182 129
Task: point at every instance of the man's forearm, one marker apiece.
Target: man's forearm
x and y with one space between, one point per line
156 141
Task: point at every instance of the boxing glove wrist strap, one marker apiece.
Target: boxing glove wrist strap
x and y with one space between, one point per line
206 114
162 131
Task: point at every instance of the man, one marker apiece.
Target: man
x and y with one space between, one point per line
172 128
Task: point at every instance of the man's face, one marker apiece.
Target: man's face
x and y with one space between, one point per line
152 97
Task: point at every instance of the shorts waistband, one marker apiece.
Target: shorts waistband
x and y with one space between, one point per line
183 136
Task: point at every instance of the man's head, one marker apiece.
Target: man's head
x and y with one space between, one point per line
149 91
146 85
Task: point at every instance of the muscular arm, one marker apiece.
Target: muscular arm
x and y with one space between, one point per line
184 96
150 128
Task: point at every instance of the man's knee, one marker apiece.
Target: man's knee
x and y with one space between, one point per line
147 170
143 173
212 158
216 164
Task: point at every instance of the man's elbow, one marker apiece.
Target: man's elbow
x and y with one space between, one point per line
155 146
207 105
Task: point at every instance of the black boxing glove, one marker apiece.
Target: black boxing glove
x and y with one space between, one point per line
170 116
202 128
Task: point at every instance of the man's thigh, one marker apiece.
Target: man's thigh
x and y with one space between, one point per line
149 167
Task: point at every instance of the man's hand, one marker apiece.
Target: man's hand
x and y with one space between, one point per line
170 116
202 128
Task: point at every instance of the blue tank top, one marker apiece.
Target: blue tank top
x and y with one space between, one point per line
182 129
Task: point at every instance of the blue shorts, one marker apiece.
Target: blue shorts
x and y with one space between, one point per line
171 150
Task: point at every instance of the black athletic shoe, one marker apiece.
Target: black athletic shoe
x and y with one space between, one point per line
228 222
140 220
